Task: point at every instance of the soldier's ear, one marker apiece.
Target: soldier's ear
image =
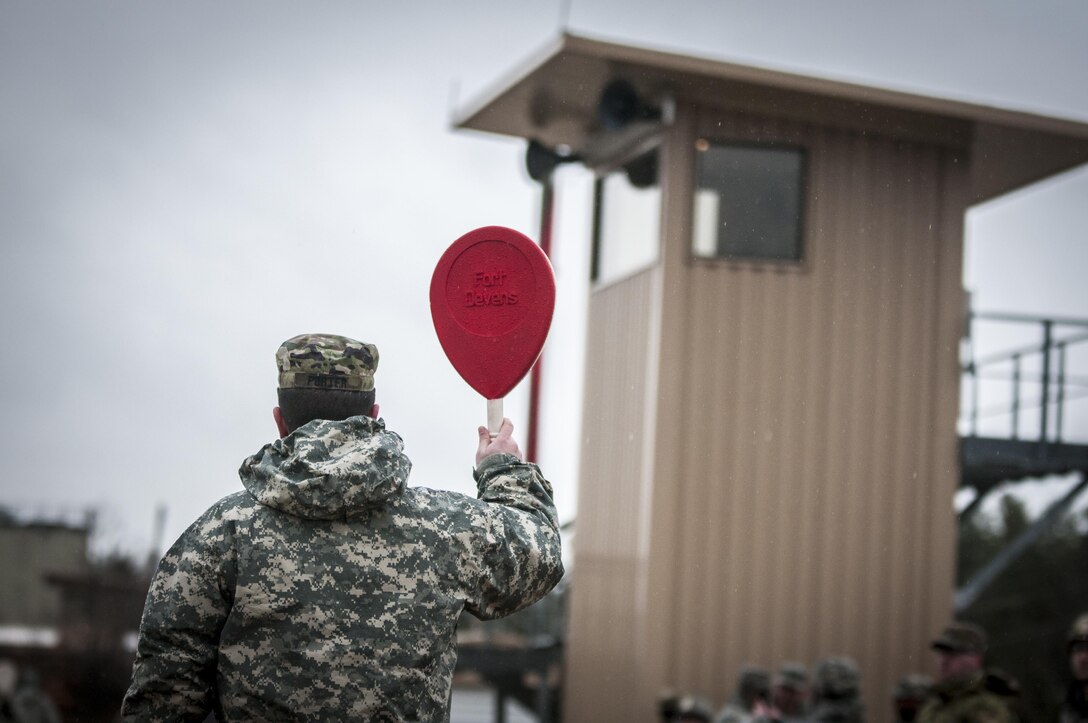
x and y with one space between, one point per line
280 425
374 412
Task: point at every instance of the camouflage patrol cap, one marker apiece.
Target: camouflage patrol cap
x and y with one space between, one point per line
961 637
837 677
1079 632
326 361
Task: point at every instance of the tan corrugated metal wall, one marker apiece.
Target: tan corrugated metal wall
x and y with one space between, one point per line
603 613
803 447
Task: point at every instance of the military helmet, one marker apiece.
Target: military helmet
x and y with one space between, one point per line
792 676
837 678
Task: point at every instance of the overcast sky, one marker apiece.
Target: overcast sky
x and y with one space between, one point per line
185 185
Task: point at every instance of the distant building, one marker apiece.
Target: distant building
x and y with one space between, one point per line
29 551
100 609
72 620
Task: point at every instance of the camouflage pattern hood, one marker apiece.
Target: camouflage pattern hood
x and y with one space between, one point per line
329 470
327 590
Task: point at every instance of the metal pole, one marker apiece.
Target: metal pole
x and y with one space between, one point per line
1061 392
972 370
974 401
1015 396
547 203
1047 329
1028 319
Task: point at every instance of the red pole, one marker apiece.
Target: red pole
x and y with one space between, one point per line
546 205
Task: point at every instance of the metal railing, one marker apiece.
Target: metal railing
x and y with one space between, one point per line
1041 377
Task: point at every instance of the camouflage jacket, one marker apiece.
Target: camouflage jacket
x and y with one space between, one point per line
966 701
837 711
329 590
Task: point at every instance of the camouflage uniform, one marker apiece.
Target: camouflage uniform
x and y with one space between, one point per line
329 590
964 700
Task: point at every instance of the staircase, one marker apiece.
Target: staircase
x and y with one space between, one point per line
1024 414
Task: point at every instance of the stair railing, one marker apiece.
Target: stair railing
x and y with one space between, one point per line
1056 385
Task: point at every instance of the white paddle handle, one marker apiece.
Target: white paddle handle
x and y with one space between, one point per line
494 416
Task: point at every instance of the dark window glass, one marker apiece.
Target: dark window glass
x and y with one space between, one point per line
748 202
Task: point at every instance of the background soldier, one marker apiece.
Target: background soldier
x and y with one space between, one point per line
960 693
31 704
790 693
327 589
1075 709
837 692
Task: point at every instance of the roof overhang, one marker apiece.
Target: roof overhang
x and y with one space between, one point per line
553 99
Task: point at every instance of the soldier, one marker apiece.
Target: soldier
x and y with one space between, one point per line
909 695
837 692
1075 708
960 693
790 692
751 702
30 703
327 589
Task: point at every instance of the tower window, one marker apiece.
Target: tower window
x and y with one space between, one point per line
748 201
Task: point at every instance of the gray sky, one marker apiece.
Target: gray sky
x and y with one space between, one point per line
185 185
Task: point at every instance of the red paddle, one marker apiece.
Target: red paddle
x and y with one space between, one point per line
492 296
